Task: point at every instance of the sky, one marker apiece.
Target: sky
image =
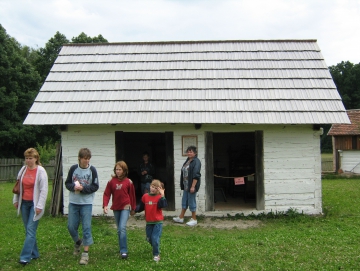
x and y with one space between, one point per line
335 24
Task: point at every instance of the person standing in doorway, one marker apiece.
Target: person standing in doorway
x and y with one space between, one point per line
147 172
31 202
190 184
82 182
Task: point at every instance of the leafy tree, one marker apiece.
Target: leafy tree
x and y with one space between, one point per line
30 54
346 76
83 38
325 140
47 55
40 60
19 84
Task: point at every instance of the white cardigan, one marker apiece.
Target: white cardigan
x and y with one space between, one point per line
40 191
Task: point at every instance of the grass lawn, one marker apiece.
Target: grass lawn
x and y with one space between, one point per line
292 242
327 156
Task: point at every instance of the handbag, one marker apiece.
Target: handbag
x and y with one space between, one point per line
16 188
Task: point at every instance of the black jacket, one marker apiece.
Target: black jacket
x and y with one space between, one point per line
194 173
147 178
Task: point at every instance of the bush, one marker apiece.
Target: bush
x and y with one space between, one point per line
46 152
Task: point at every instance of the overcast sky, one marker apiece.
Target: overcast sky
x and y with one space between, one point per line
334 23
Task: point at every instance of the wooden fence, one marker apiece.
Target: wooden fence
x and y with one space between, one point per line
9 168
327 165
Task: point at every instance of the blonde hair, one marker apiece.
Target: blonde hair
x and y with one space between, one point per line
31 152
124 167
156 183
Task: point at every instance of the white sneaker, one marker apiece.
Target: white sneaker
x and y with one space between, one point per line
84 258
157 258
192 222
178 219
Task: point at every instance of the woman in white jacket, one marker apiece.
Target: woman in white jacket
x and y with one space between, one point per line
31 202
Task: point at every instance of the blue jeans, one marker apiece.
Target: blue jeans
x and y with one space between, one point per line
153 234
30 249
121 218
189 200
83 213
145 186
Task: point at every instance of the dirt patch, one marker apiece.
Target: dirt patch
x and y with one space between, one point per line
207 222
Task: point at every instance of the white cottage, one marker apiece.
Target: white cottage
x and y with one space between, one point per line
253 108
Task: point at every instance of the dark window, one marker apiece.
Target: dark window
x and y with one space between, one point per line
354 142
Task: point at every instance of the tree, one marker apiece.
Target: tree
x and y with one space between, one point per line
346 76
325 140
19 84
22 72
30 54
83 38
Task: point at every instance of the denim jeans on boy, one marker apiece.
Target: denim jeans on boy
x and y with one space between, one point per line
83 213
153 234
121 218
30 248
188 199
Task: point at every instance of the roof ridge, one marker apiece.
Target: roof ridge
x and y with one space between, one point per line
187 42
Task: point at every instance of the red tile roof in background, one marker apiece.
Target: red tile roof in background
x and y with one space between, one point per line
347 129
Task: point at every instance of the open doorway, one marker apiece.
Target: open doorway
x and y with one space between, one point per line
234 156
130 147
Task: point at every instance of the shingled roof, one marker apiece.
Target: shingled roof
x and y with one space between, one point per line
347 129
253 82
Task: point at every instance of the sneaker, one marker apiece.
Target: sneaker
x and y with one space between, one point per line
23 262
124 255
84 258
178 219
157 258
192 222
77 248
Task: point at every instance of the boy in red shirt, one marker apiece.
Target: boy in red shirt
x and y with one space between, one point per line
153 202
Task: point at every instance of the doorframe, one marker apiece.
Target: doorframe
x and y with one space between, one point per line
209 172
169 152
259 170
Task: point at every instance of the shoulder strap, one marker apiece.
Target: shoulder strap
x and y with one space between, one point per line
23 170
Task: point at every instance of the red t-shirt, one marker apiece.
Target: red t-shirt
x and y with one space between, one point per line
122 193
153 214
28 183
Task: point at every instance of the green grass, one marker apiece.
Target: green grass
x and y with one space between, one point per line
282 242
327 156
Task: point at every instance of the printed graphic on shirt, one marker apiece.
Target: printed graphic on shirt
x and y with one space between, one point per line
185 171
151 202
118 186
84 177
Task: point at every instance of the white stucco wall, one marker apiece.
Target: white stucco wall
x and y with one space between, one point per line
101 142
292 161
292 169
350 161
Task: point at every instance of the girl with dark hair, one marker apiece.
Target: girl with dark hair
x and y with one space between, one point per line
190 184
